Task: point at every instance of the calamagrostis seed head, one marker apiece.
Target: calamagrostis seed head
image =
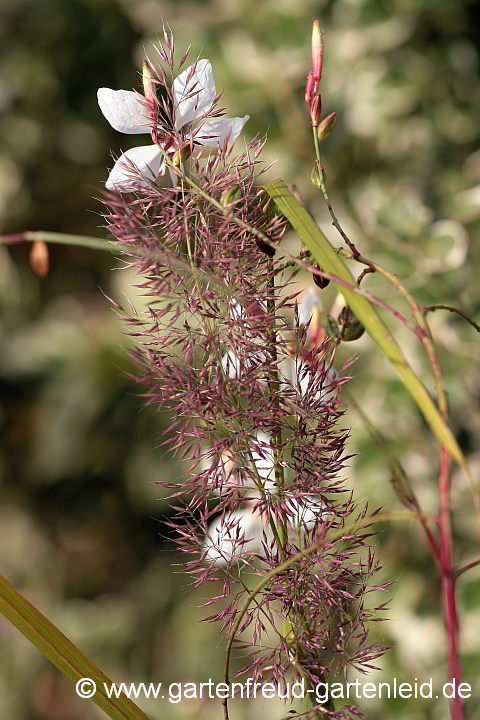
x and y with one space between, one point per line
254 419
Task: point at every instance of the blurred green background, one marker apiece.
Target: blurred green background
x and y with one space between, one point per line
81 519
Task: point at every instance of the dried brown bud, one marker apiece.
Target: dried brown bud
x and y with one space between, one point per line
320 281
402 488
264 247
39 260
351 328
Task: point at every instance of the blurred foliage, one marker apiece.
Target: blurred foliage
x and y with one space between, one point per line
81 517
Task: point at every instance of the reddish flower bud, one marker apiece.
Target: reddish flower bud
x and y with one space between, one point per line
39 261
312 95
317 49
311 88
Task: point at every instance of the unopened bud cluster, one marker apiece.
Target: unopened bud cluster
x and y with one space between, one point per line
312 91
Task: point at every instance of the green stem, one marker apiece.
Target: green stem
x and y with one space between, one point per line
323 188
273 385
431 308
60 239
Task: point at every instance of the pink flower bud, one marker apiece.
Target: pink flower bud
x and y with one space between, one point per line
312 95
311 88
317 49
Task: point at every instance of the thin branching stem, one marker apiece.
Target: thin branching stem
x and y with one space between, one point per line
323 187
431 308
468 566
345 533
442 551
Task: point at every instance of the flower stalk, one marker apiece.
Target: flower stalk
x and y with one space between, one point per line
441 548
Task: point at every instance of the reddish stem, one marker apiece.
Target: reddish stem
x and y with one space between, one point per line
12 239
448 586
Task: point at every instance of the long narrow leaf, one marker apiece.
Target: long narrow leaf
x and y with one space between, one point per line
332 263
62 652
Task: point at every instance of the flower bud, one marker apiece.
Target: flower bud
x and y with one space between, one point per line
351 328
315 110
332 328
320 281
230 195
39 258
317 49
326 126
311 88
402 487
267 249
315 177
148 82
181 155
315 75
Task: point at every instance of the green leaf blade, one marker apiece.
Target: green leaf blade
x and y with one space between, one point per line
332 263
62 652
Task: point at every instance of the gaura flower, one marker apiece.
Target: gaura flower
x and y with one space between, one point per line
194 94
296 370
237 532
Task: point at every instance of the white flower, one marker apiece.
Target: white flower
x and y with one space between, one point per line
193 95
233 534
264 460
231 363
310 313
301 375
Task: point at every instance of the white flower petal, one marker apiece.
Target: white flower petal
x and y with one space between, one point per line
124 110
264 460
306 306
193 97
231 365
236 311
326 393
173 177
306 513
215 132
219 472
228 535
145 160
